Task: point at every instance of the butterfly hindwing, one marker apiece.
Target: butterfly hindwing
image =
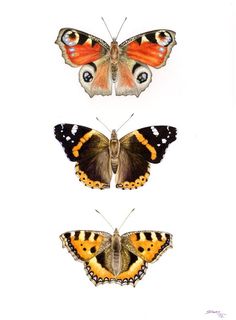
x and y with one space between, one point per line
79 48
100 268
95 77
132 77
151 48
84 245
133 169
148 245
90 149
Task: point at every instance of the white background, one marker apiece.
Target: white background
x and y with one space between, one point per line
190 194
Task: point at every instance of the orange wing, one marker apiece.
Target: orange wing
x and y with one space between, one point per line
84 245
148 245
79 48
151 48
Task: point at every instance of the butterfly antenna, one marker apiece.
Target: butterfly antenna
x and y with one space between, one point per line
120 28
125 122
125 219
103 124
107 28
105 219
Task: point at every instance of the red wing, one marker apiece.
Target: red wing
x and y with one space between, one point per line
151 48
79 48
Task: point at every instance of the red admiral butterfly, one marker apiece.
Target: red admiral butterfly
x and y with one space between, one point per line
97 157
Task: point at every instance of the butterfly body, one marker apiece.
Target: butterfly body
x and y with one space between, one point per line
114 258
114 59
124 65
128 158
114 148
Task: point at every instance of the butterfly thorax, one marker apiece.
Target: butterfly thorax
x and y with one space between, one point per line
114 148
114 58
116 253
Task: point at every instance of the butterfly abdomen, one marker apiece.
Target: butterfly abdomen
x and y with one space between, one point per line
114 149
116 254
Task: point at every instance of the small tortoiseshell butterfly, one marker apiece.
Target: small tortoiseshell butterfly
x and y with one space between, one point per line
97 157
114 258
125 65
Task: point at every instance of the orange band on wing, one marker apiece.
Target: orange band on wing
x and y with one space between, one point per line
132 271
148 53
144 141
82 140
83 54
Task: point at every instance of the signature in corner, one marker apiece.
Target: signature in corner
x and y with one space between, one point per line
219 313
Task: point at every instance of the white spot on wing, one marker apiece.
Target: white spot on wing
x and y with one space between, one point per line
163 140
74 129
155 131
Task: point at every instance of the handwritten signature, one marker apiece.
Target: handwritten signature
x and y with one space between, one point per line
218 313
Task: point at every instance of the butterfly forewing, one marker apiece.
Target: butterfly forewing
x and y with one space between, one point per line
79 48
151 48
148 245
70 135
84 244
150 142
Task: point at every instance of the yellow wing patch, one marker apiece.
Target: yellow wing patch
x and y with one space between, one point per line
150 245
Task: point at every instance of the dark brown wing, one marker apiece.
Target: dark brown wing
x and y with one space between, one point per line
137 149
90 149
133 169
